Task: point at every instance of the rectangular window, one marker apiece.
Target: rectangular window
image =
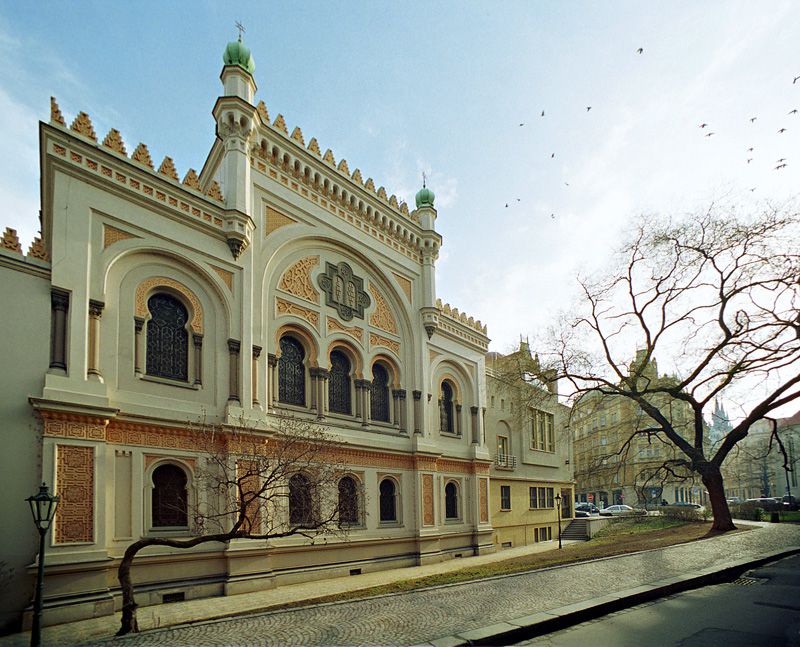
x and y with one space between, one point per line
534 498
492 402
550 500
542 431
505 497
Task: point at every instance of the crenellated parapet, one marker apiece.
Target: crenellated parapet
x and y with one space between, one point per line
342 182
10 242
113 141
461 317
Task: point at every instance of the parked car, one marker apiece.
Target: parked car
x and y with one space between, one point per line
734 499
790 502
583 506
619 510
686 504
581 513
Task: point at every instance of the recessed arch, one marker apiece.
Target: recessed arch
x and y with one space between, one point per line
305 338
352 354
149 286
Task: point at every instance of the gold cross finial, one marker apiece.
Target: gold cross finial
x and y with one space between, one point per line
424 178
241 29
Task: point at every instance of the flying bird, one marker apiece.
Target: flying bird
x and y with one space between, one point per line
793 112
703 125
553 216
749 159
521 125
709 134
566 183
518 200
782 130
506 205
588 108
782 159
552 155
795 80
641 49
780 166
750 150
542 113
753 189
752 119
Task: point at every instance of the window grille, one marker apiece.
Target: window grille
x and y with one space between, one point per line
388 502
348 501
169 497
301 510
379 394
167 338
339 383
291 372
451 501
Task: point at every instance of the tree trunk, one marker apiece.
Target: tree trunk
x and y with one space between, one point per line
712 479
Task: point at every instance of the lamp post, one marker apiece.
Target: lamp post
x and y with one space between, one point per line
43 507
558 512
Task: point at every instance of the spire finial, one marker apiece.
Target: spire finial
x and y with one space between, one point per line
424 179
241 29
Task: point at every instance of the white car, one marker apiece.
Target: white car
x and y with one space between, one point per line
617 511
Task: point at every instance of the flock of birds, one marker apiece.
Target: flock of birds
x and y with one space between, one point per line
779 164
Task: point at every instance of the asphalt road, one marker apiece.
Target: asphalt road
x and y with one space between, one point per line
760 608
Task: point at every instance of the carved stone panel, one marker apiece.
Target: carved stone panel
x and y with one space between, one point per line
344 291
296 279
427 499
75 485
484 499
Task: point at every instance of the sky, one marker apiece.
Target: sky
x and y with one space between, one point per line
441 87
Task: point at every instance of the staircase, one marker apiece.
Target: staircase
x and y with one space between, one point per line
576 530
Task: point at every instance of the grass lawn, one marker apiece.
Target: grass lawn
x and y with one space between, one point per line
790 515
618 538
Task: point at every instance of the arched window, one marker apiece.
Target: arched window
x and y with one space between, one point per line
348 501
169 497
301 507
339 383
379 394
451 501
291 372
446 409
388 500
167 338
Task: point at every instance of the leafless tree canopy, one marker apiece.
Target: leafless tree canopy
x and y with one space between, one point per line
717 299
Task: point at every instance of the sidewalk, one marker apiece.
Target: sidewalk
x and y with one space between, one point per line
496 609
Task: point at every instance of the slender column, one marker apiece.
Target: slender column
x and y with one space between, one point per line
93 347
396 408
272 383
401 395
417 395
458 419
474 417
256 355
138 345
364 410
313 377
322 392
234 347
483 426
59 305
198 358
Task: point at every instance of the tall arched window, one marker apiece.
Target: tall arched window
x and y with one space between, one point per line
291 372
446 409
169 497
451 501
167 338
301 505
348 501
388 500
339 383
379 394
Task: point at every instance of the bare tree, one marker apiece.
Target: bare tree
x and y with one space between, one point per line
254 484
718 300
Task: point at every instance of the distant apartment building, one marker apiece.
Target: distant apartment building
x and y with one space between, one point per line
617 462
528 429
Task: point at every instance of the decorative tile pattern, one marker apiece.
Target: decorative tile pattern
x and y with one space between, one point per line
427 499
381 317
284 307
162 281
113 235
296 279
378 340
405 285
484 500
335 326
75 485
276 220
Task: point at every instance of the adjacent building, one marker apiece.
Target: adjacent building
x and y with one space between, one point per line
527 429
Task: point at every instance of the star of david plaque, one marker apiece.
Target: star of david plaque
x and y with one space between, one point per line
344 291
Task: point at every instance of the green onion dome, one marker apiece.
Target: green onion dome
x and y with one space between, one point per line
237 54
425 197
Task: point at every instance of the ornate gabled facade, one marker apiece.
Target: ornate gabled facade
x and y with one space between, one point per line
273 281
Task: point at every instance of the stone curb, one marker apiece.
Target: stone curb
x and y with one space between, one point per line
562 617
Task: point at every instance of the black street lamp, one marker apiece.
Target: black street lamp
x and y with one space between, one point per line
558 512
43 507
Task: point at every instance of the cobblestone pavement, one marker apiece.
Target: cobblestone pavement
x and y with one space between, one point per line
421 616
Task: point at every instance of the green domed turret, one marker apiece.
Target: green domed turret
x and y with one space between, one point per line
237 54
425 197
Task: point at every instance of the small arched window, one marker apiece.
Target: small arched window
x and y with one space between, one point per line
451 501
167 338
348 501
446 408
169 497
291 372
301 510
379 394
388 501
339 383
